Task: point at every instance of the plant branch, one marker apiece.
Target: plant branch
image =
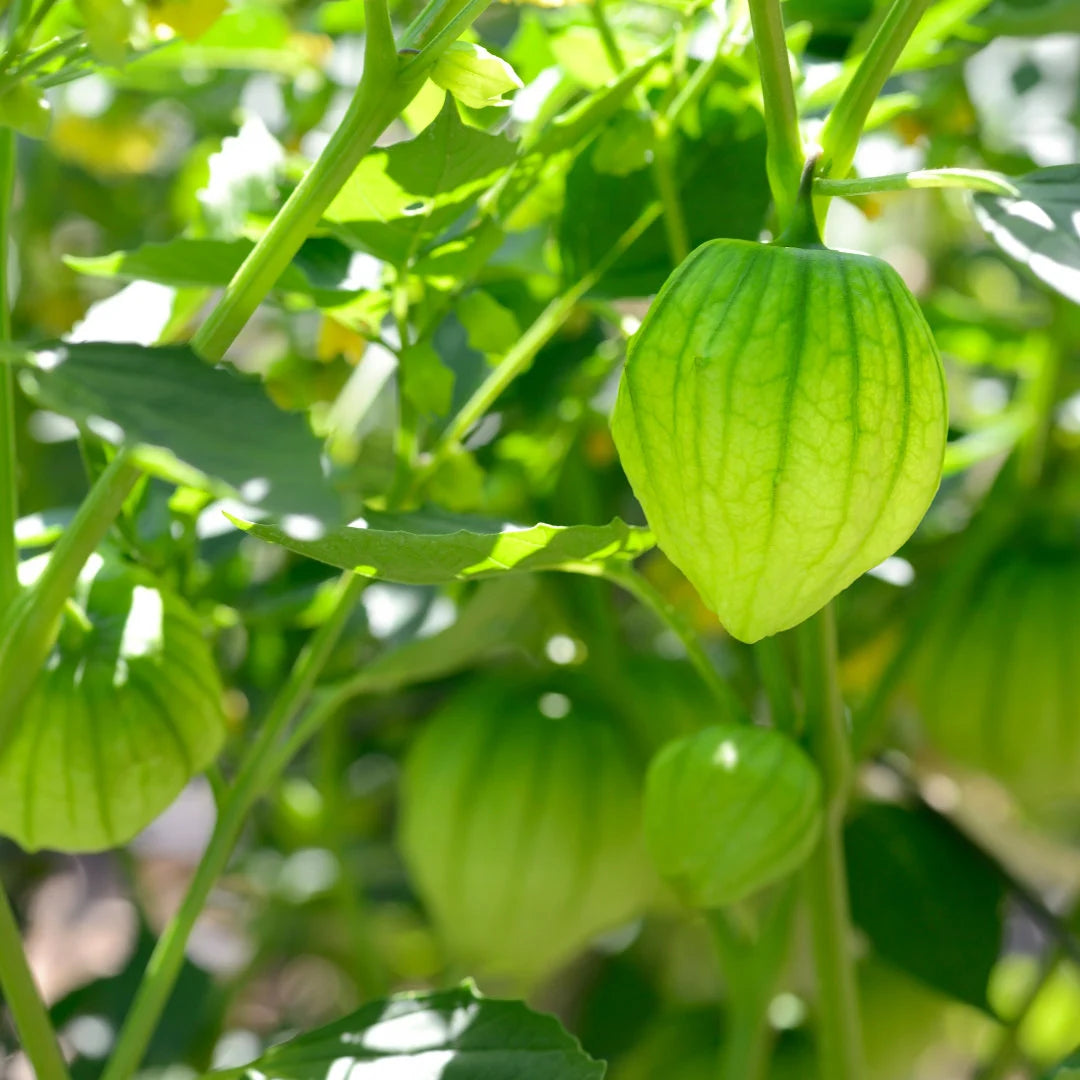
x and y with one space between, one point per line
839 1032
9 480
785 156
628 579
969 179
28 634
381 95
524 350
253 776
845 123
23 999
663 163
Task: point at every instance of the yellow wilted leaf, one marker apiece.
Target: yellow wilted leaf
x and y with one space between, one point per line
108 148
336 340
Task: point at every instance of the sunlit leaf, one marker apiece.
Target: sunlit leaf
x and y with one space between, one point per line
321 269
451 1035
205 426
1041 227
415 189
433 547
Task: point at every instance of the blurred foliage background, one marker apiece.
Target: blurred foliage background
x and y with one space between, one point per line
197 134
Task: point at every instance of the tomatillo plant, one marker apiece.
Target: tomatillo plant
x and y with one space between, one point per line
314 317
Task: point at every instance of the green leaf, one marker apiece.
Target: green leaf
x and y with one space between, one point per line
434 547
498 614
450 1035
600 207
208 427
320 269
1041 227
413 190
425 380
24 108
1069 1069
490 327
593 112
930 904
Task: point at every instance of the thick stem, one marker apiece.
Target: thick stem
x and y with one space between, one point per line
9 501
638 587
381 95
845 123
785 155
747 1040
28 636
251 780
825 880
23 999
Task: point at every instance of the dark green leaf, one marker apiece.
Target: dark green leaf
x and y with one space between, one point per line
413 190
1041 226
452 1035
208 427
320 269
1069 1069
600 207
930 904
433 547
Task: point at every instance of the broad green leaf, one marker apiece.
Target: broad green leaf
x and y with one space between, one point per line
321 269
412 191
1041 227
434 547
930 904
449 1035
124 714
208 427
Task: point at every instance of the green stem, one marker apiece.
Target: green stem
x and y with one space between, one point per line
252 778
773 669
663 163
628 579
23 999
666 182
845 123
417 66
968 179
825 880
785 156
28 636
524 350
381 95
751 966
9 482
